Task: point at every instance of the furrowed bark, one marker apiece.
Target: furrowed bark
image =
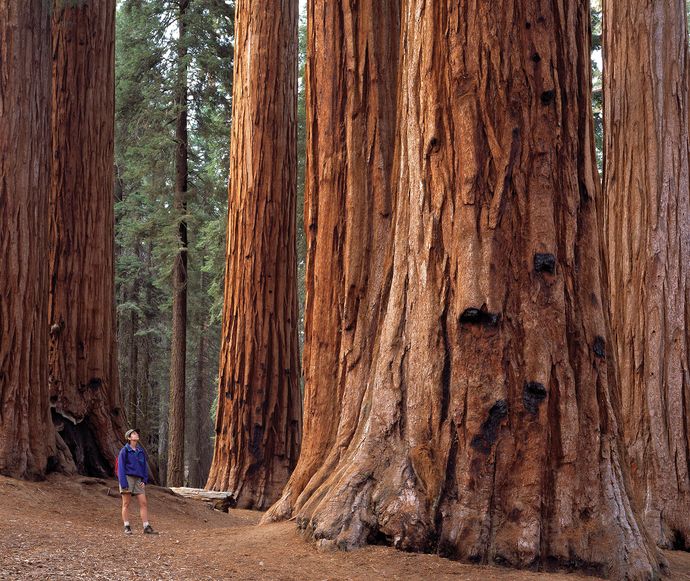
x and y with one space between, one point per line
487 428
647 230
259 410
351 93
27 437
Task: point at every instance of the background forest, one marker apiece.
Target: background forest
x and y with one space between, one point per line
146 224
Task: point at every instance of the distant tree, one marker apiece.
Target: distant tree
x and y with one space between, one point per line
178 346
147 226
144 166
210 32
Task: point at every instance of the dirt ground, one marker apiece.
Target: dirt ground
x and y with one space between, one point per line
70 529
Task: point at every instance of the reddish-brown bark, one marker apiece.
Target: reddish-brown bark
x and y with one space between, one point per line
647 228
27 437
259 410
351 90
84 386
486 429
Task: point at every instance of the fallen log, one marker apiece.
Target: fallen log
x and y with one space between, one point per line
221 501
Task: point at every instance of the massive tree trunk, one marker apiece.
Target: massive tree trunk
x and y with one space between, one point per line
647 227
351 92
487 430
259 411
178 347
27 438
84 386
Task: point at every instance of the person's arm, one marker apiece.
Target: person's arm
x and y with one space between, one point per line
121 476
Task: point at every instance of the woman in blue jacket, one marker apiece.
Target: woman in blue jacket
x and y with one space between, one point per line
133 474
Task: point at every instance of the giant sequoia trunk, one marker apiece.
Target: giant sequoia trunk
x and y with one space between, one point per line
178 344
27 438
351 82
84 387
647 226
487 429
258 421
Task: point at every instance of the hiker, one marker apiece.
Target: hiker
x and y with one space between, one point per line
133 474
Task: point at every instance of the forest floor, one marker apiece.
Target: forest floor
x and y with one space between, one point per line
69 528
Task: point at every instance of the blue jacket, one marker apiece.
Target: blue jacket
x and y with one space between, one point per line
131 462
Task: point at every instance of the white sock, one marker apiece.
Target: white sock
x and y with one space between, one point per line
146 524
126 523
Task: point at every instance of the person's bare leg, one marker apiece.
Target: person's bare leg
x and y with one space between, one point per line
126 499
143 507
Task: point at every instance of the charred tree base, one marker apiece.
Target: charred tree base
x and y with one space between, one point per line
670 527
65 461
77 443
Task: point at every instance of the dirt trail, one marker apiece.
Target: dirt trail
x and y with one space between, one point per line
69 529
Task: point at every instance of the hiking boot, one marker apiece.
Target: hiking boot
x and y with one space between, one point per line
148 530
128 530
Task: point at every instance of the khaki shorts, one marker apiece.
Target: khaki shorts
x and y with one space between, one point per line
135 484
